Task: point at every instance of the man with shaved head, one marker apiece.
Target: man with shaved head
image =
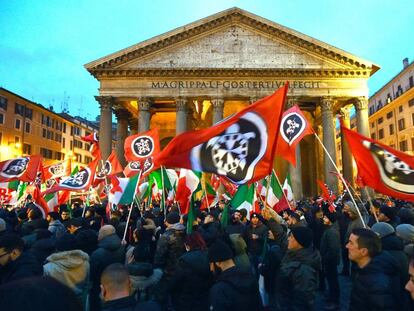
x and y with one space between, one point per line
116 291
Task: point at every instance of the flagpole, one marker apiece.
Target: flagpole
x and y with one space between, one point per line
269 178
130 209
280 185
203 185
370 204
351 188
162 181
342 178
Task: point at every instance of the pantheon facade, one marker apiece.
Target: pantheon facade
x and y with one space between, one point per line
193 76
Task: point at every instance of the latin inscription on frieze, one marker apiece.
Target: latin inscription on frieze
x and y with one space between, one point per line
233 84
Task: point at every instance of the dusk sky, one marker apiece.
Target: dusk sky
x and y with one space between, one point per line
45 43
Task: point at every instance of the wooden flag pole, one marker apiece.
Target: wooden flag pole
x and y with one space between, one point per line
130 209
163 191
342 178
371 205
269 178
280 185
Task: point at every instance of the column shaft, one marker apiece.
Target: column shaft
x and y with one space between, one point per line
105 125
121 134
181 115
347 167
329 143
218 107
144 115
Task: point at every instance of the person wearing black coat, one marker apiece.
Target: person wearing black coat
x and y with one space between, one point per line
86 239
330 253
234 289
16 264
44 246
192 277
376 283
110 250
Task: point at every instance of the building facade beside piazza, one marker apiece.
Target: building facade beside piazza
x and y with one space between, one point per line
196 75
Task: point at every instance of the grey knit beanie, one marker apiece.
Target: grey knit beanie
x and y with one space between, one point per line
406 232
383 229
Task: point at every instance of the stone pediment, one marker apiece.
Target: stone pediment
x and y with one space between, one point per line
230 40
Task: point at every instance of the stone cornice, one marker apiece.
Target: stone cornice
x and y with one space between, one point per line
231 16
225 72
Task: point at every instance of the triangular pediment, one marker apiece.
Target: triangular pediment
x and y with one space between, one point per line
232 39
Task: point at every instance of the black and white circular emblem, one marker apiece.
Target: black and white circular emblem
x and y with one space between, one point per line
15 167
234 152
148 165
292 126
143 146
104 171
395 173
57 169
134 165
79 180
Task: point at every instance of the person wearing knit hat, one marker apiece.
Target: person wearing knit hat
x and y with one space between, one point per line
105 231
405 232
255 236
173 218
295 219
231 282
300 269
388 214
383 229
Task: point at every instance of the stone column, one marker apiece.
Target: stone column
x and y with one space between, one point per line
361 107
181 115
133 125
218 107
329 142
296 172
105 125
121 133
144 114
347 168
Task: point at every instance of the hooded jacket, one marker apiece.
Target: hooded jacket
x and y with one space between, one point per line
377 285
235 289
25 266
143 279
190 282
298 278
70 268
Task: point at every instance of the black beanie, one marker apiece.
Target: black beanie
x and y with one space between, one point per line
303 235
219 251
66 242
331 216
173 218
389 211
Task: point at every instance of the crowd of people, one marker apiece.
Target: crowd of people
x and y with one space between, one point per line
90 258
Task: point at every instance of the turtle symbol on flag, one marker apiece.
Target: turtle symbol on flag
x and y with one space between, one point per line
292 126
15 168
79 180
235 152
105 170
394 172
143 146
134 165
57 169
49 183
148 165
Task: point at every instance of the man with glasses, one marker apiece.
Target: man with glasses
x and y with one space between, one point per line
14 262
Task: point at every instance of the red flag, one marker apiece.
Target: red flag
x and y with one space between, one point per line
241 147
140 149
92 138
229 186
57 169
327 195
281 205
293 128
40 201
186 185
78 181
110 167
24 168
380 167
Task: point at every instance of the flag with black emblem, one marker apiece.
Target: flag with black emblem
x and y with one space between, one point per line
293 128
380 167
93 139
140 150
23 168
241 147
57 170
79 181
110 167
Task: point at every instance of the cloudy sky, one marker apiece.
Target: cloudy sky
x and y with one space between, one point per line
45 43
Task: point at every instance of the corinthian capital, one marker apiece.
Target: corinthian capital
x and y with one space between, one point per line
181 104
327 104
292 101
361 103
106 102
218 103
345 113
144 103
